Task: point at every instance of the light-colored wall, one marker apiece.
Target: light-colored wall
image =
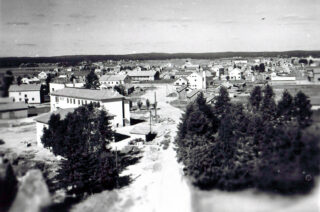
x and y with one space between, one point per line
56 86
114 106
195 81
40 127
33 96
14 114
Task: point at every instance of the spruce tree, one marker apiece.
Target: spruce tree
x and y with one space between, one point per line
92 81
302 109
285 107
255 98
222 102
268 106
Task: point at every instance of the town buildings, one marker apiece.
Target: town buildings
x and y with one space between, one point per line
144 75
116 104
28 93
107 81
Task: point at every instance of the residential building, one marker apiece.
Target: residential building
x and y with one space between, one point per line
182 81
113 80
28 93
42 75
144 75
197 80
314 74
113 102
235 74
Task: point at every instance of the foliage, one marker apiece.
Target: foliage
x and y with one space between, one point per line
139 104
148 104
92 81
19 80
121 89
8 79
81 138
266 145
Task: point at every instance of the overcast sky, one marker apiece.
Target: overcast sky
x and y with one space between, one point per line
67 27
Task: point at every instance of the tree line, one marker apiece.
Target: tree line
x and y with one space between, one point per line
262 144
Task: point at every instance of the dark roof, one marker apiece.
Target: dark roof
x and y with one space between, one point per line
192 93
97 95
44 118
24 87
13 106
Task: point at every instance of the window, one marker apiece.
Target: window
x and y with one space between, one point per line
74 101
67 100
25 95
32 99
19 99
14 99
19 93
52 89
78 101
57 99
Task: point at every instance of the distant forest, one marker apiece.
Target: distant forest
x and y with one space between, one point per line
74 59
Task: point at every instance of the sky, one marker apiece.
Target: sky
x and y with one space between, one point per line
76 27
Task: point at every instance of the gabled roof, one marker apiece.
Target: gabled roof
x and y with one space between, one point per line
142 73
182 88
24 87
13 106
192 93
112 77
89 94
44 118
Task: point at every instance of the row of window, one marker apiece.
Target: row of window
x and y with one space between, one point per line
111 83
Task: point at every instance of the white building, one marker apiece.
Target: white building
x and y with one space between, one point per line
28 93
144 75
197 80
113 80
42 75
235 74
181 81
113 102
54 86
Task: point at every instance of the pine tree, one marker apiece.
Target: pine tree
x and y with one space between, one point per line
255 98
268 106
285 107
302 109
222 103
92 81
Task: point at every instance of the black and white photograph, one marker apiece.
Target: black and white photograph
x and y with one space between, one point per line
159 106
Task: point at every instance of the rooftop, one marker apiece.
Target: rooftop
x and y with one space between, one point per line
90 94
24 87
112 77
142 73
13 106
44 118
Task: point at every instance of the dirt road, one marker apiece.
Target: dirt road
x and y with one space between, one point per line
159 184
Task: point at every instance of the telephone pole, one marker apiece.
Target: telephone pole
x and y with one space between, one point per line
155 106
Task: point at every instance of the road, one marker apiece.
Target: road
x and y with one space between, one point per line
159 184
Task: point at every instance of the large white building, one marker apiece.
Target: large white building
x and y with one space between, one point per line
28 93
197 80
115 104
235 74
107 81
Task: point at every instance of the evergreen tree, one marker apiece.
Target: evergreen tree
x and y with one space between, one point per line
302 109
148 103
285 107
92 81
255 98
222 102
139 104
19 80
268 106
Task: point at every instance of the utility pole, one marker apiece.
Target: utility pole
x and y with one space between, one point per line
155 106
150 120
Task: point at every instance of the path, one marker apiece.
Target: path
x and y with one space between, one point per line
159 184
